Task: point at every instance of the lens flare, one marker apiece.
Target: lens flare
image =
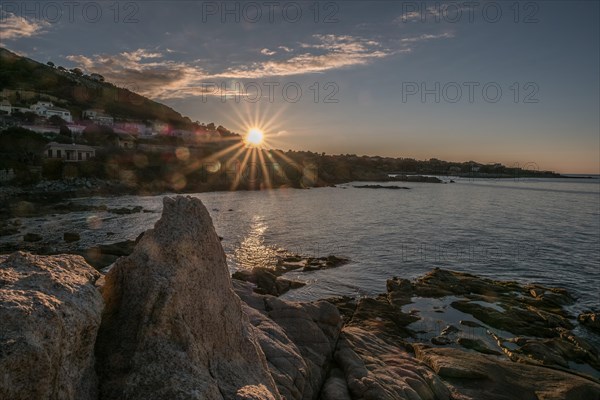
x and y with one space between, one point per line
254 137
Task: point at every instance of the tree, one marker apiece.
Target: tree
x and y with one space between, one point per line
28 116
211 126
65 131
101 135
22 145
77 71
50 64
55 120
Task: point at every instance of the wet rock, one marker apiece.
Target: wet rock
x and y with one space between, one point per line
440 283
77 207
331 261
416 178
440 340
32 237
449 330
477 345
266 281
471 324
172 326
519 321
50 313
70 237
9 228
590 320
558 351
378 315
380 187
399 291
125 210
105 254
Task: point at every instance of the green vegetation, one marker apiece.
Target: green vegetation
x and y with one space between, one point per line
81 92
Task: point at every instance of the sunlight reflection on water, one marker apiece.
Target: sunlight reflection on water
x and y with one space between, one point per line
253 252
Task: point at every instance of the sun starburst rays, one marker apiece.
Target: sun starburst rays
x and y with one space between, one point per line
250 162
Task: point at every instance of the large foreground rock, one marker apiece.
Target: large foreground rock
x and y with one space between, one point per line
49 317
173 328
298 340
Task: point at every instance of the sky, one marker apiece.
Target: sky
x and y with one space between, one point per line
490 81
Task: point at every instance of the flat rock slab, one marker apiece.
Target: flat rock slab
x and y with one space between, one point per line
479 377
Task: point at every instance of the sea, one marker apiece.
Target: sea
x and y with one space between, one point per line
530 230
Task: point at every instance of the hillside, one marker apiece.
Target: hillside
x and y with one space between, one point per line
79 92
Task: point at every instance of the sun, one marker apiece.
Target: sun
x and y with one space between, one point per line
254 137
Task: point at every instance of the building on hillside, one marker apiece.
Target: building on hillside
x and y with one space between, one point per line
5 107
76 128
47 109
40 105
99 116
125 141
69 152
133 128
22 110
159 128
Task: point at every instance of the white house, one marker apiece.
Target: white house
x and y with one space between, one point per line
61 112
69 152
5 107
40 105
99 116
47 109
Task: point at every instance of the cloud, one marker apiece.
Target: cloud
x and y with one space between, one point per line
327 52
15 27
285 48
140 54
425 37
450 12
149 73
268 52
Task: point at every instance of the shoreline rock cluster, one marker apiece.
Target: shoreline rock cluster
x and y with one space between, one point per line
270 280
168 322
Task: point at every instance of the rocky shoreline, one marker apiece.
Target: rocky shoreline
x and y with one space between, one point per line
168 322
40 198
